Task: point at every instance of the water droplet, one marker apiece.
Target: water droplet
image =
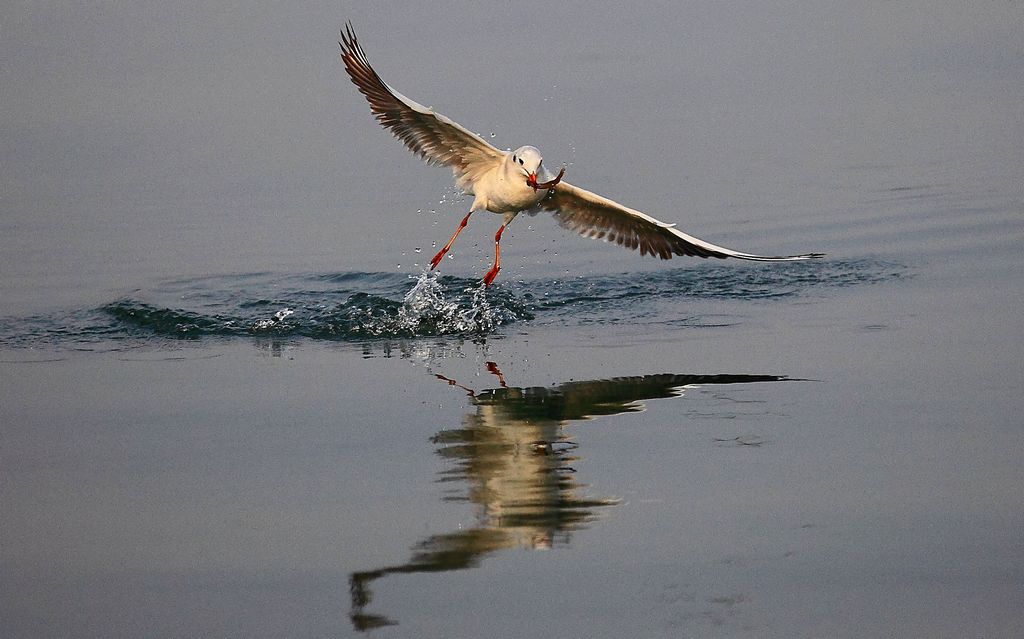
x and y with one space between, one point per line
417 249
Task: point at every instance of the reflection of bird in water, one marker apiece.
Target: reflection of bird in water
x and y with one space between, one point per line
507 183
511 459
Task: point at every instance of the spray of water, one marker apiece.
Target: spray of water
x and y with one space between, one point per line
429 308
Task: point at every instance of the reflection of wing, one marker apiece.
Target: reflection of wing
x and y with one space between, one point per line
439 553
592 215
430 135
580 400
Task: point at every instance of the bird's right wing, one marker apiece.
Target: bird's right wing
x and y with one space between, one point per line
592 215
432 136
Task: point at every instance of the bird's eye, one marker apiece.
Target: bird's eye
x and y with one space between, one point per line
520 160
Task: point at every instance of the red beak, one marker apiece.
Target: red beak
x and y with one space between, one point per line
531 180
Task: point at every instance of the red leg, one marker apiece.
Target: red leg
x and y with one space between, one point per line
493 273
437 258
494 370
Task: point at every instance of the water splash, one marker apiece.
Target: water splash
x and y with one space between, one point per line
276 321
430 308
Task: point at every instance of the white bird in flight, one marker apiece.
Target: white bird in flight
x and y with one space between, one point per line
507 183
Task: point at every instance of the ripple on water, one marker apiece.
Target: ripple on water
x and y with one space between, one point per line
355 306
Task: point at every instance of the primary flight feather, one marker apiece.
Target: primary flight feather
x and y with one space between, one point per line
507 183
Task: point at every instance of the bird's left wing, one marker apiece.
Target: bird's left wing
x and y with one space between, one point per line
592 215
432 136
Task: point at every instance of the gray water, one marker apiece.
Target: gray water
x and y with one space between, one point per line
233 403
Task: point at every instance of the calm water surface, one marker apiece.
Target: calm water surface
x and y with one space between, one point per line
233 404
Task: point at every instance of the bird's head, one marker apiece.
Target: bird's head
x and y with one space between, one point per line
527 160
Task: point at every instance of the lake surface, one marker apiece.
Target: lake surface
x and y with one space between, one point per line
234 404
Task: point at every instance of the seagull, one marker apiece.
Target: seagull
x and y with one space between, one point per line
510 182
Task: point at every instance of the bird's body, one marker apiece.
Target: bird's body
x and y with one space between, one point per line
501 189
507 183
